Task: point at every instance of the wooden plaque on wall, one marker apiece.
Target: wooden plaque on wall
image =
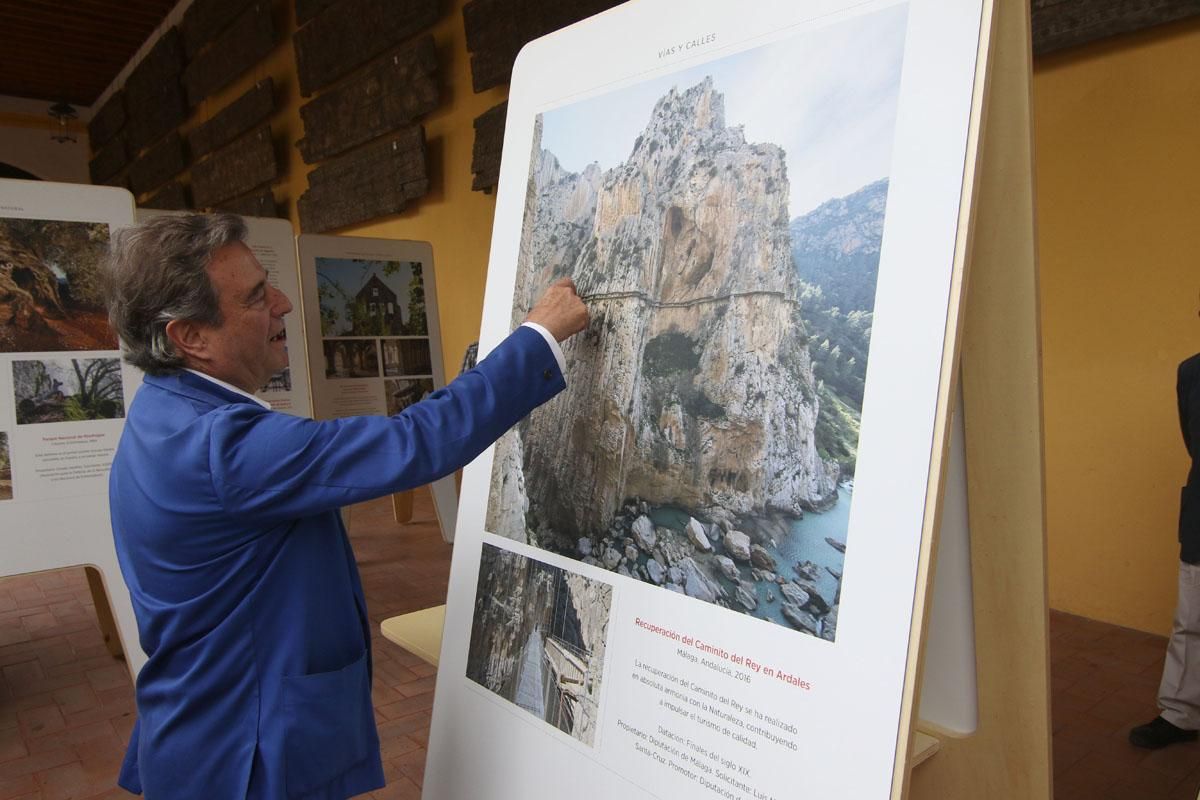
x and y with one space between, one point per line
352 32
394 90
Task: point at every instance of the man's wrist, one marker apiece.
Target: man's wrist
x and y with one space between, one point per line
554 347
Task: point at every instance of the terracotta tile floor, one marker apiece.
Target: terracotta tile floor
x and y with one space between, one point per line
66 707
1103 681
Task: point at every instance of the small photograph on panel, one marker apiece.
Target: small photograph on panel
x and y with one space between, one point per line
406 357
363 297
351 358
538 639
280 382
725 230
50 286
67 390
403 393
6 487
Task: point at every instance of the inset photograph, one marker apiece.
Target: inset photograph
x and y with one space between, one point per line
6 487
280 382
402 394
538 637
50 282
67 390
406 357
709 443
361 297
351 358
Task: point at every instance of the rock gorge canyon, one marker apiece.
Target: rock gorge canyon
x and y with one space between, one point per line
688 435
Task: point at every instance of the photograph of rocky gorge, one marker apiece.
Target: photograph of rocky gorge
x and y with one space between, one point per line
538 639
50 295
724 227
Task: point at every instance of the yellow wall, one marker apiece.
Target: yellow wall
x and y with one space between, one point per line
1117 136
456 220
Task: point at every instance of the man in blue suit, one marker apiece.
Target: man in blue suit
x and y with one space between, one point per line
225 515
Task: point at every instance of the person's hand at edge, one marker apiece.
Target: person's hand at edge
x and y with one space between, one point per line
560 311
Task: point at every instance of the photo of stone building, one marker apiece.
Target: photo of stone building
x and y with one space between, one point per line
350 358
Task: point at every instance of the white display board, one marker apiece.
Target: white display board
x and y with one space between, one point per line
374 340
63 387
693 574
274 244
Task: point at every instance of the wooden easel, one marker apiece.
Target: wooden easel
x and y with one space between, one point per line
1008 755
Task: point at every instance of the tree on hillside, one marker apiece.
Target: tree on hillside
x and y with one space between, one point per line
99 394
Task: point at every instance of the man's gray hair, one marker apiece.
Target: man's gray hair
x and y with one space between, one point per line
156 273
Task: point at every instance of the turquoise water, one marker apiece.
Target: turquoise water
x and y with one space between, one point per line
806 542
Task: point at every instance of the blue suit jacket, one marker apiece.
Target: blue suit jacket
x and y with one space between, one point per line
246 592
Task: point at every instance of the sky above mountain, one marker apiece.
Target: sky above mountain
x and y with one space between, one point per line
827 96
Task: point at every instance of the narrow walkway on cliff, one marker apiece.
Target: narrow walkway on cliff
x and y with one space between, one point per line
645 298
531 693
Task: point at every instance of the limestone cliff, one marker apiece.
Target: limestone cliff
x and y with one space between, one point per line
693 386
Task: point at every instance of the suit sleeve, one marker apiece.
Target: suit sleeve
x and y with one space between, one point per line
1182 391
269 468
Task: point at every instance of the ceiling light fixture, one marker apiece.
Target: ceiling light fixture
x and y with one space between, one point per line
63 112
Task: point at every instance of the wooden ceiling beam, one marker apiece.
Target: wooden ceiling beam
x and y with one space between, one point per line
52 93
72 50
99 35
130 13
35 54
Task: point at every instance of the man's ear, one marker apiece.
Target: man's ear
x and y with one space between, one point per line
188 339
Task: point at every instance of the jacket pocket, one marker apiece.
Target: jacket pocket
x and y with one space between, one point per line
327 719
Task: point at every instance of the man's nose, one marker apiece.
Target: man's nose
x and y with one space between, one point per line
280 305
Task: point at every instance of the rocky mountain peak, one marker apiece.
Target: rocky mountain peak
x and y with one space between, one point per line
693 387
699 107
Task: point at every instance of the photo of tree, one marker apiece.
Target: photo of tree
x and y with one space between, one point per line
360 297
726 239
538 639
6 487
50 296
406 357
67 390
350 358
403 393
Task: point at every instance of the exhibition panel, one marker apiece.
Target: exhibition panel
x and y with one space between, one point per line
700 563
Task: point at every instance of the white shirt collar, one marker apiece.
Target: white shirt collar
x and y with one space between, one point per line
231 388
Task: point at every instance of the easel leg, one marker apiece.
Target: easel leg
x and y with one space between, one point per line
104 615
402 506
